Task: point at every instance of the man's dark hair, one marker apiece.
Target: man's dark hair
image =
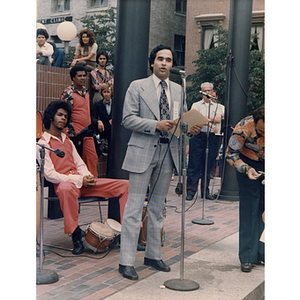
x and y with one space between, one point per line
102 52
41 31
75 69
155 50
259 114
52 109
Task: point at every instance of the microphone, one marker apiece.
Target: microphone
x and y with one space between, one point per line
207 95
58 152
177 71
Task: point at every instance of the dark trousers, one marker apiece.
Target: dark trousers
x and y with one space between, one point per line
252 205
196 166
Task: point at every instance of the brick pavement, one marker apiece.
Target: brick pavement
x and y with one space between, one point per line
92 276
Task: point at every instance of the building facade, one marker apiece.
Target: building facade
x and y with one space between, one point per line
200 33
167 20
51 13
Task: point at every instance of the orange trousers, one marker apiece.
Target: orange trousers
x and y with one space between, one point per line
89 155
68 195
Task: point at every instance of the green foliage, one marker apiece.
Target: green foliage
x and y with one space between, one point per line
69 58
211 67
103 26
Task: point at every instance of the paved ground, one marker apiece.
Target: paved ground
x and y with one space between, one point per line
95 276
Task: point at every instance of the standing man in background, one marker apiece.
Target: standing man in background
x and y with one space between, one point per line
198 143
77 97
101 76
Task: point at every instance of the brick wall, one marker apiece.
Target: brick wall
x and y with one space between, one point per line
50 82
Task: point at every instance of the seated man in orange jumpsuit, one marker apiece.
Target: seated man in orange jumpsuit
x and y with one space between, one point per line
70 175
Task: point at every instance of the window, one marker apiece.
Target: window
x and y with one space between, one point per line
257 28
55 39
99 3
61 5
179 48
209 38
259 37
206 29
181 6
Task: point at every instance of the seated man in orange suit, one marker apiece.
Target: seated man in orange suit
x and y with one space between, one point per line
69 174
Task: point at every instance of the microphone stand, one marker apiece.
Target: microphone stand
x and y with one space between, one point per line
204 221
182 284
43 276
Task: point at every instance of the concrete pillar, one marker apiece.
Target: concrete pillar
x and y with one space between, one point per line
237 83
131 53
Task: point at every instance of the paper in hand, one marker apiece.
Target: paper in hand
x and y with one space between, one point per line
192 117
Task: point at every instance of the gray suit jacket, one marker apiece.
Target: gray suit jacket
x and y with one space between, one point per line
140 114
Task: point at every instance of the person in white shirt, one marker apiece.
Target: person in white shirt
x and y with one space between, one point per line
197 145
44 50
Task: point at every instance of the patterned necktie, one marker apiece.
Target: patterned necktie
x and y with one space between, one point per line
164 107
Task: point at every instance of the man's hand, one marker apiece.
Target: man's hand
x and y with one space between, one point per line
195 129
100 126
165 125
88 181
252 174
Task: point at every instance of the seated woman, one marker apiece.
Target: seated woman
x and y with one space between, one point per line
44 50
85 53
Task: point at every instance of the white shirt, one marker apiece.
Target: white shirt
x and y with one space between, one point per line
222 107
49 170
173 108
108 107
159 88
202 107
47 49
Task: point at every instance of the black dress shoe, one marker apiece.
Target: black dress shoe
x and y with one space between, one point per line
246 267
128 272
208 197
77 236
189 197
157 264
77 247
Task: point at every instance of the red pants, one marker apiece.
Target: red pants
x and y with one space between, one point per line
68 195
89 155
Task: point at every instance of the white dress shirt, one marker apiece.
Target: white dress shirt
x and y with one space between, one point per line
174 108
202 107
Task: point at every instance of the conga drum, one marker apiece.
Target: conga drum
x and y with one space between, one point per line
115 226
98 237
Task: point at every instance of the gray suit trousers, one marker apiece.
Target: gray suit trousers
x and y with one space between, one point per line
159 177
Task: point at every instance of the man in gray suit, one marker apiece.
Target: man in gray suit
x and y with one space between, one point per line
151 155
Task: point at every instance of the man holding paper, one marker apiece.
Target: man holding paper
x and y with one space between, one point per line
198 143
151 104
